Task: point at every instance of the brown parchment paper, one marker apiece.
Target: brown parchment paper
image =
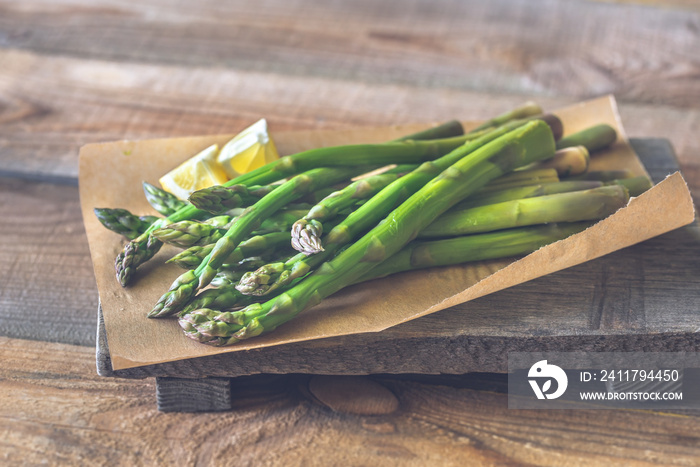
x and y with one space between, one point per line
111 176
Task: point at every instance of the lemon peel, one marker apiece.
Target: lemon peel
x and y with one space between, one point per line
248 150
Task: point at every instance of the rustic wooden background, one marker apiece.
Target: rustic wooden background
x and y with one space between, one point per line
79 71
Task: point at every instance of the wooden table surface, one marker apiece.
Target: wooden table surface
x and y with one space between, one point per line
79 71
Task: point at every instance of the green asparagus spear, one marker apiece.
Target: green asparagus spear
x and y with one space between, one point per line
593 138
273 277
123 222
162 201
185 234
219 199
254 246
574 206
529 191
230 274
444 130
529 143
220 298
522 178
603 175
528 109
635 185
476 247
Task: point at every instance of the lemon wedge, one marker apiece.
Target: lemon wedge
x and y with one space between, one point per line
200 171
249 150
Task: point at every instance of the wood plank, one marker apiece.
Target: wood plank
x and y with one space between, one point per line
642 297
193 395
47 287
50 397
55 104
50 106
560 48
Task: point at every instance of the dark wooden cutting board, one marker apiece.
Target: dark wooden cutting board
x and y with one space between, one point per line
642 298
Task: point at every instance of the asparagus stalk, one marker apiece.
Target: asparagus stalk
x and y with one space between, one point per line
221 298
444 130
230 274
529 191
185 234
281 221
476 247
254 246
593 138
520 178
526 110
529 143
273 277
185 286
635 185
593 204
123 222
269 240
219 199
604 175
162 201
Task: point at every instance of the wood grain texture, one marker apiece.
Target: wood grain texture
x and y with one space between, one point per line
55 410
76 72
47 287
64 102
193 395
559 48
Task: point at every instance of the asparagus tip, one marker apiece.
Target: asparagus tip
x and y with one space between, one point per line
306 236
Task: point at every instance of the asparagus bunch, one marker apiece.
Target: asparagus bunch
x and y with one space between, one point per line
505 188
186 286
529 143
